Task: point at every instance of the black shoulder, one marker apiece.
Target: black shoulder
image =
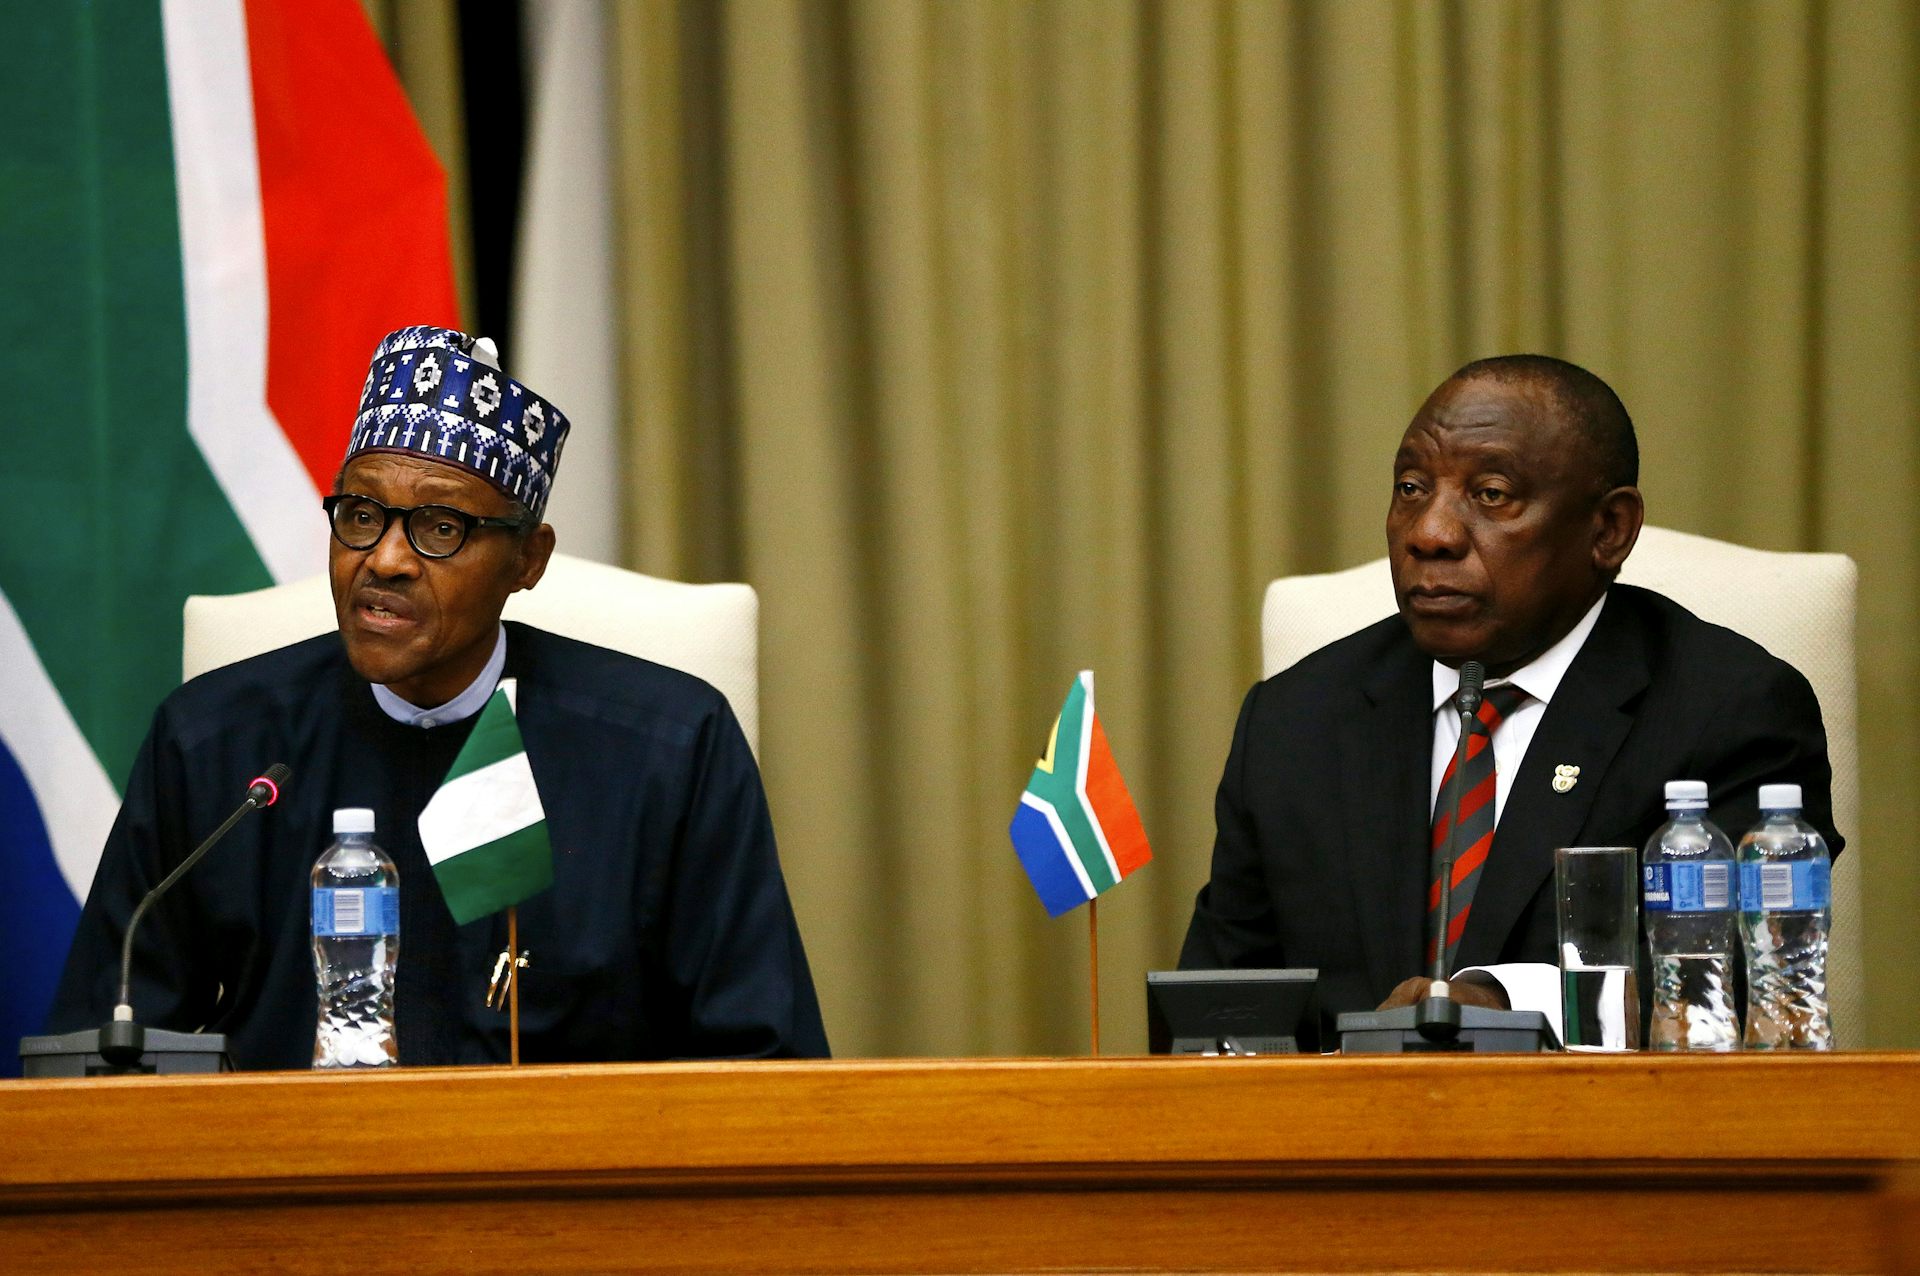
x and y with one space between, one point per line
257 686
1752 718
1343 661
602 683
1325 683
1677 636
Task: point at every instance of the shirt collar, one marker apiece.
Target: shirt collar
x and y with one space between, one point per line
458 709
1539 677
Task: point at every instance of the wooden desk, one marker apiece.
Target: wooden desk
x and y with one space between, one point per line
1557 1164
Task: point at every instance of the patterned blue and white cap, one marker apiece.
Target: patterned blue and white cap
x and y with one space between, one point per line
441 394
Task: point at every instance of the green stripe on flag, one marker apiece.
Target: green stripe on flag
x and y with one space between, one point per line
113 515
508 868
484 830
495 738
1058 789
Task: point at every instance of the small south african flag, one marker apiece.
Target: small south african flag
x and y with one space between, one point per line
1076 830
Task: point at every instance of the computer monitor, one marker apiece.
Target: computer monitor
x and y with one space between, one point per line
1232 1011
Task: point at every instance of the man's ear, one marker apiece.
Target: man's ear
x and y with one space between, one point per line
1616 526
535 551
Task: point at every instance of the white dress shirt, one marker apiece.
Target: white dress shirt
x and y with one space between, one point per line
1539 678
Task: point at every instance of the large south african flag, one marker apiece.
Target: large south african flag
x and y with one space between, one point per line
1076 830
213 210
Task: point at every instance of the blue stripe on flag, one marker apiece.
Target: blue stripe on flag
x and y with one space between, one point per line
1044 856
37 915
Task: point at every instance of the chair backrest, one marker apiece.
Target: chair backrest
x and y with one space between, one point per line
710 631
1717 581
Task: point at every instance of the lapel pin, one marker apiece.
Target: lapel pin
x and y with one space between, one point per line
1565 776
505 967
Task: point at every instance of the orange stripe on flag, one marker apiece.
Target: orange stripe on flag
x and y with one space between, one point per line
1113 806
354 212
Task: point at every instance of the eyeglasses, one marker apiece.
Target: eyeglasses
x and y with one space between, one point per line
434 531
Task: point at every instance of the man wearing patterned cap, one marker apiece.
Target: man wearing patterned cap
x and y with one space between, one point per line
667 932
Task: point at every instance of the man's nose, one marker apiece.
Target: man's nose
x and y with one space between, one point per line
393 554
1439 530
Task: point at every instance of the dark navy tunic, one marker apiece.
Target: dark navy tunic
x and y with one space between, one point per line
667 933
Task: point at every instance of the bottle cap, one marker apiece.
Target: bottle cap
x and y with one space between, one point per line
1779 797
353 819
1686 793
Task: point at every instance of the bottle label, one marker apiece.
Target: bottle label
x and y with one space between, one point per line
369 910
1795 886
1687 887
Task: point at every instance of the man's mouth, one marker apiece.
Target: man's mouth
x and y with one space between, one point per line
383 613
1437 601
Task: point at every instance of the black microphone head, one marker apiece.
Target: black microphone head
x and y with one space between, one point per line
1473 676
266 788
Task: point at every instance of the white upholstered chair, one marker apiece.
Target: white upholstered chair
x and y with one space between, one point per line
1719 582
710 631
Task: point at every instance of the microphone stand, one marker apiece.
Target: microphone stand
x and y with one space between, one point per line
1437 1023
1437 1016
122 1044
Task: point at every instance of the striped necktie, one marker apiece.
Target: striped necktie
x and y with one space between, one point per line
1472 789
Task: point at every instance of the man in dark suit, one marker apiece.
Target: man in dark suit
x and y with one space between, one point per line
1514 505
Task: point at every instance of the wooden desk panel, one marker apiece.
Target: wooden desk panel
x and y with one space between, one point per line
1558 1164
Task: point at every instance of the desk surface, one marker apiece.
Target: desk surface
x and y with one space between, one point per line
1553 1163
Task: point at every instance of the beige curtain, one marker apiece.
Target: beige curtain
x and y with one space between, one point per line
992 341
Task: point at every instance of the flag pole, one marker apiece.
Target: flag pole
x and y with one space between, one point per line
513 983
1093 966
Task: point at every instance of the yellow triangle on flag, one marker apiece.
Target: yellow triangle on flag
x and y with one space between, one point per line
1053 738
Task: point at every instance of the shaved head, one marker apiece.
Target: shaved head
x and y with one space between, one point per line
1585 401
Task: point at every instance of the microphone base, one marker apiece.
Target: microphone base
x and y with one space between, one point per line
78 1054
1438 1026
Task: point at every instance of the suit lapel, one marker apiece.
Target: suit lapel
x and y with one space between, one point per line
1386 748
1584 726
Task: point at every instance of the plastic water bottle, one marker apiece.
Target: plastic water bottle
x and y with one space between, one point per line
1784 896
356 946
1687 898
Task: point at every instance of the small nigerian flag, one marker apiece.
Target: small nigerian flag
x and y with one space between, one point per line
1076 830
484 830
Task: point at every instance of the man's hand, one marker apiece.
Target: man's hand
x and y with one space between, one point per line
1467 992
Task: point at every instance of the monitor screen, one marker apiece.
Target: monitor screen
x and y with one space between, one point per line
1232 1012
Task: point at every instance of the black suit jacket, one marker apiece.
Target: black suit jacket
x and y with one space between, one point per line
1320 855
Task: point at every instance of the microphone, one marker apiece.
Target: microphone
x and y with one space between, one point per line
123 1041
1438 1016
1438 1022
1473 678
265 789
